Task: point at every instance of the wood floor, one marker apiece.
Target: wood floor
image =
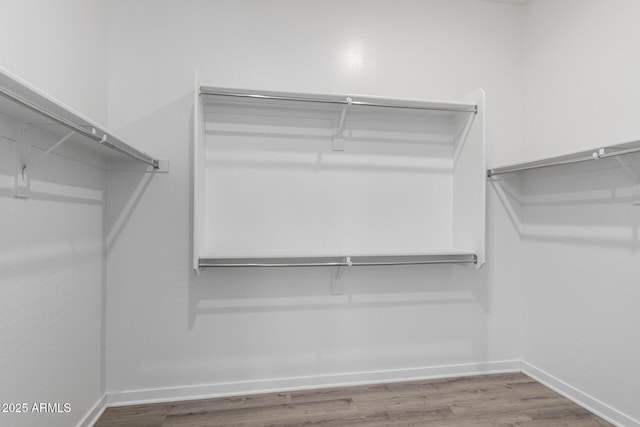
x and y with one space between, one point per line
489 400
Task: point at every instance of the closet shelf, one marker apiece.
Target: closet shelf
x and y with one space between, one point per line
282 179
24 103
453 257
570 158
356 100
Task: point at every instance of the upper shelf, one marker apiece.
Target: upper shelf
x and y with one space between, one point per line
27 104
569 158
356 100
338 117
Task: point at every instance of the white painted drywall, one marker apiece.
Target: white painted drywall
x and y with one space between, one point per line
241 330
58 46
400 189
580 69
51 289
51 246
579 227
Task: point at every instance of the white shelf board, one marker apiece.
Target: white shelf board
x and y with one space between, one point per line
26 104
356 100
349 118
596 153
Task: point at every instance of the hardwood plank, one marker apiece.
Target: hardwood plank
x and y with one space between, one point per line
479 401
135 415
293 414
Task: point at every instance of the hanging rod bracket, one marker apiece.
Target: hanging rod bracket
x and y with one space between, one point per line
337 284
100 139
338 141
598 154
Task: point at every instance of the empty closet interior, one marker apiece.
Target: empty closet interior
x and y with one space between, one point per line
344 194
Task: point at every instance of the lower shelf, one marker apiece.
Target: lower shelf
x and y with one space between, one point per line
342 261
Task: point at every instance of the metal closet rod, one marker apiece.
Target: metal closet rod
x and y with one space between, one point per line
599 154
87 131
333 262
459 109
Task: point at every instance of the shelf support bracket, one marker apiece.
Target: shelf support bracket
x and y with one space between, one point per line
634 176
48 151
635 188
23 169
22 181
635 194
461 138
337 285
338 141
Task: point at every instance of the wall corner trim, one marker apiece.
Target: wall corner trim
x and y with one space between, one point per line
94 413
588 402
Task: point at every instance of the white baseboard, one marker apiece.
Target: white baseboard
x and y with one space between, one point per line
308 382
588 402
204 391
95 412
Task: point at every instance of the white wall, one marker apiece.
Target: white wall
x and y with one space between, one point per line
580 67
51 290
243 330
579 226
58 46
51 249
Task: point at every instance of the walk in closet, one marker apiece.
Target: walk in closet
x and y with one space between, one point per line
299 205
